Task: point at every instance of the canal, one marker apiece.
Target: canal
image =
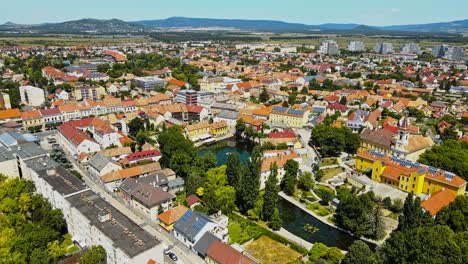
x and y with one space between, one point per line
294 220
233 145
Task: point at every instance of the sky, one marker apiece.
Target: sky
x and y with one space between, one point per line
368 12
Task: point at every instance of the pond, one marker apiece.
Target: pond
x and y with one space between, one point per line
222 148
294 220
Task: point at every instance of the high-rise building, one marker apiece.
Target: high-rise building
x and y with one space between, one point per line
411 48
329 47
383 48
449 52
356 46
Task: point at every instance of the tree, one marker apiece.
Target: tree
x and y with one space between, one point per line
450 156
193 182
240 126
95 255
413 215
455 215
305 181
377 223
178 152
135 125
233 169
332 141
226 199
318 251
264 97
359 253
249 183
275 221
270 197
289 183
433 244
334 255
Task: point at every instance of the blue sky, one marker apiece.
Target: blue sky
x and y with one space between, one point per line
369 12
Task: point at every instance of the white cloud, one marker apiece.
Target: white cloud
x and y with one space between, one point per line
395 10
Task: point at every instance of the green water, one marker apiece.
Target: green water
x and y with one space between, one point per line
221 149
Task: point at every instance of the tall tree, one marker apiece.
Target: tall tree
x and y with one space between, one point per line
234 169
249 183
275 221
455 215
359 253
263 97
270 197
413 215
95 255
290 178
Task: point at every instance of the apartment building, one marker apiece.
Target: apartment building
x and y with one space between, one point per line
329 47
356 46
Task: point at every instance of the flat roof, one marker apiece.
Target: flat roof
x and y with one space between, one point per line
62 181
125 234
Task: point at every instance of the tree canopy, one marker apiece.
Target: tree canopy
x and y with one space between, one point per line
332 141
451 156
95 255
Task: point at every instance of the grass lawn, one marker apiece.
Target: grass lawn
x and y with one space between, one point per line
318 209
328 162
73 249
268 251
330 173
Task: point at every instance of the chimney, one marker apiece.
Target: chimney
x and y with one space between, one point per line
51 172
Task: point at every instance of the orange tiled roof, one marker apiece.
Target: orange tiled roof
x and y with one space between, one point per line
10 113
173 214
438 201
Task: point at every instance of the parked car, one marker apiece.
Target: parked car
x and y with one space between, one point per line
166 251
173 256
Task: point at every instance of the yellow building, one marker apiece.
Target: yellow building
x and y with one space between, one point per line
292 117
83 93
31 119
219 129
168 218
198 130
406 175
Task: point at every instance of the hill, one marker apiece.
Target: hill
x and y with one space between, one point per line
89 25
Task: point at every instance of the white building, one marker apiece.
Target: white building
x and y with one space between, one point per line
31 95
383 48
329 47
356 46
411 48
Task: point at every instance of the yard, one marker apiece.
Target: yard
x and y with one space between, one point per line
318 209
328 162
268 251
330 173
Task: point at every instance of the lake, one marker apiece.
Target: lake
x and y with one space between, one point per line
233 145
294 220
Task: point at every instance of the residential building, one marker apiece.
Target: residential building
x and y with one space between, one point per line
112 180
5 101
329 47
406 175
383 48
89 92
280 157
198 131
219 129
411 48
99 165
170 216
356 46
435 202
292 117
149 83
220 253
449 52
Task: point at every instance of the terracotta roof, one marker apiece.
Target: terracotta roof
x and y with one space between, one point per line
378 137
286 134
225 254
173 214
30 114
280 161
192 199
131 172
438 200
10 113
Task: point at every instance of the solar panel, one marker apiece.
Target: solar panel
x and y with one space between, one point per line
187 215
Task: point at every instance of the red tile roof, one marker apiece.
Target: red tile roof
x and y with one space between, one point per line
225 254
438 201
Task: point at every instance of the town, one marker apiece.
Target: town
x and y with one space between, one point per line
234 152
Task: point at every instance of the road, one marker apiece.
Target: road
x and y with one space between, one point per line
184 254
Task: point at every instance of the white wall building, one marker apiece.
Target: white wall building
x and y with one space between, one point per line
31 95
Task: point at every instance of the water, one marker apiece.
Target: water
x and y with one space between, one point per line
222 148
294 220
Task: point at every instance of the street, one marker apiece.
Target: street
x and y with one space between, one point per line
184 254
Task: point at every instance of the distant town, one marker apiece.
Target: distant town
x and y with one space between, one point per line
234 152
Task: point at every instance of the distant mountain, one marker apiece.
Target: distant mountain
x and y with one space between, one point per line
454 26
244 24
98 26
89 25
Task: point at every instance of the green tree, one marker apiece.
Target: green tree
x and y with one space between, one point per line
413 215
176 150
270 197
249 183
135 125
451 156
359 253
275 221
233 169
427 244
455 215
290 178
305 181
240 126
95 255
263 97
318 251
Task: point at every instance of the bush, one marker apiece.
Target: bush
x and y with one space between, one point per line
325 193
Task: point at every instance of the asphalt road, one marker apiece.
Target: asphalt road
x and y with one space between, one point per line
184 254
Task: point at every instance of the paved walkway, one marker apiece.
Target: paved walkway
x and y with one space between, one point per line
290 236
